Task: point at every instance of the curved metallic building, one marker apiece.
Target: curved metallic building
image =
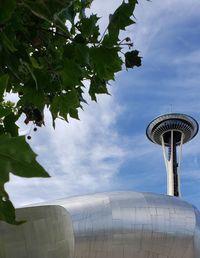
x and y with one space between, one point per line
110 225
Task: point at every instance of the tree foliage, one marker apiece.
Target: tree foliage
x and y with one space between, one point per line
48 49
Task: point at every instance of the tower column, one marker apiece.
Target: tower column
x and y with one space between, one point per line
169 154
171 163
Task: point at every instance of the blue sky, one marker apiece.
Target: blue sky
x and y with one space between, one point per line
107 150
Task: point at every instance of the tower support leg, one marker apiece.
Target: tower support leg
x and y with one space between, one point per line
172 167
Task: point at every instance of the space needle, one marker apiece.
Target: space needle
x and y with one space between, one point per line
171 131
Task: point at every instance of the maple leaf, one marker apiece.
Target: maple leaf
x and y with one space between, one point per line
16 157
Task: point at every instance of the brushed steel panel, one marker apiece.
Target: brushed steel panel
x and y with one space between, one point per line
46 234
129 224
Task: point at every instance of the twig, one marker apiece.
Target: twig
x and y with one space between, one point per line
102 36
53 32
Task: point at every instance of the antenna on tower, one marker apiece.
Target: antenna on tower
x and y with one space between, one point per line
171 131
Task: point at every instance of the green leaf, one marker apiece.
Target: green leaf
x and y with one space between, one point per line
132 59
39 8
17 157
79 39
74 113
7 212
32 97
64 104
79 53
29 69
121 17
35 63
119 20
105 61
7 7
9 124
70 14
2 131
6 108
97 86
89 29
49 11
7 42
3 84
4 111
71 74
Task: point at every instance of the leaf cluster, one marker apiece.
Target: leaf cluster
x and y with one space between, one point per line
48 49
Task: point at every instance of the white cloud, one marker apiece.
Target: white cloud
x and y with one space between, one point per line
191 58
156 17
81 156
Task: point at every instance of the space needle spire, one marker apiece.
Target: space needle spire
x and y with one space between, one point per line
171 131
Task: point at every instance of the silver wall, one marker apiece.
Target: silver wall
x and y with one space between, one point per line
107 225
46 234
128 224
